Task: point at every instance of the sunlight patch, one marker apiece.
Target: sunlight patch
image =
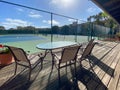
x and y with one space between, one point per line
64 3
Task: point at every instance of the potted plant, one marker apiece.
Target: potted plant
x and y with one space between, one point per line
5 56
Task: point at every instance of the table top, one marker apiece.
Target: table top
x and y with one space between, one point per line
55 45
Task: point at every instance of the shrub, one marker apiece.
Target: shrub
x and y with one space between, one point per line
3 49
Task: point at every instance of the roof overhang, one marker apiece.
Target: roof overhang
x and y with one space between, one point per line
112 7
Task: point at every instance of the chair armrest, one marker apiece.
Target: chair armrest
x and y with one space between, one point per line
56 56
41 55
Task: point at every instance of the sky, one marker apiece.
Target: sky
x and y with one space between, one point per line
12 16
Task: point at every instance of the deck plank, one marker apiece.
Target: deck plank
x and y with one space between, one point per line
114 80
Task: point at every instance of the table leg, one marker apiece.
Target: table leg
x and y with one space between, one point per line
52 59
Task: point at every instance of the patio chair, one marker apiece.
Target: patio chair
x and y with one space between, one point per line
65 58
25 60
86 53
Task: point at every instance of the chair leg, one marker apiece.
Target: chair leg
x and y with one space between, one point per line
75 69
29 73
41 64
80 62
59 82
66 68
15 68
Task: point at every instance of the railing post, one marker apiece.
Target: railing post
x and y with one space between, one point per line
51 27
76 30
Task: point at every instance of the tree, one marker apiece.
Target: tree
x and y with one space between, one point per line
2 28
104 19
29 28
65 30
55 29
20 28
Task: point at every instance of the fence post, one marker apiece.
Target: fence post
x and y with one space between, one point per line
51 27
76 30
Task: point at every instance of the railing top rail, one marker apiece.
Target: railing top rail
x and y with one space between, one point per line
36 9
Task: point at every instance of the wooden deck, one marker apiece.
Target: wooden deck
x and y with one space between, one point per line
100 72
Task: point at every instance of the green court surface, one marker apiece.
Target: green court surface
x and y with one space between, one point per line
31 44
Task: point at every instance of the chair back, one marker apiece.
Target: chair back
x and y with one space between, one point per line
91 41
69 53
88 50
18 54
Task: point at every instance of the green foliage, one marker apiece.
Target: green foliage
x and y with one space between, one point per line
65 30
118 34
4 50
103 19
55 29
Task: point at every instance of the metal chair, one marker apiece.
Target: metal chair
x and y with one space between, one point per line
86 53
65 58
25 60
